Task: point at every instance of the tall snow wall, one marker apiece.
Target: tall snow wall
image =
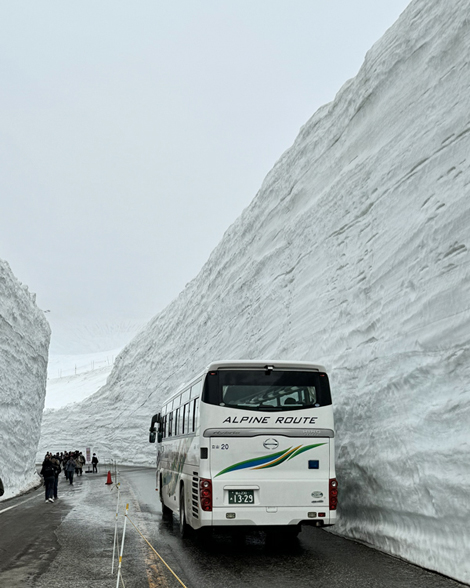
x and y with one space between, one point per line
24 344
353 254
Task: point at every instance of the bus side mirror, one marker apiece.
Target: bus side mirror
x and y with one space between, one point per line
153 431
160 436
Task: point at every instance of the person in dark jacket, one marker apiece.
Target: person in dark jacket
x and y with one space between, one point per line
56 462
64 462
48 472
94 461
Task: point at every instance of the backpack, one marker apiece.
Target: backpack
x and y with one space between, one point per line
48 470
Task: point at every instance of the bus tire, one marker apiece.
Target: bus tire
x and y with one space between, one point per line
166 512
183 526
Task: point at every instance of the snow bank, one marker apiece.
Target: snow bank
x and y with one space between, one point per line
24 343
353 254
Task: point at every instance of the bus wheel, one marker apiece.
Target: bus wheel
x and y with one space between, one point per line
183 524
166 512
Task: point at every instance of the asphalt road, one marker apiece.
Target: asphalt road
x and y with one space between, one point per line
70 543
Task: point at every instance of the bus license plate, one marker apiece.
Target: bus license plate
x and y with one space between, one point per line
240 497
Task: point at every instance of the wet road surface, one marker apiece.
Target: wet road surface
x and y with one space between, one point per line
70 543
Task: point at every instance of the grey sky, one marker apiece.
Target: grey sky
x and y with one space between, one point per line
132 134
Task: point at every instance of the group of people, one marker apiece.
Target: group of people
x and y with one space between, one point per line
71 463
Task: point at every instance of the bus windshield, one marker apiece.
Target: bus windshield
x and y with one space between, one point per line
270 390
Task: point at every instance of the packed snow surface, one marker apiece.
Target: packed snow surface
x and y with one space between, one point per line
24 344
72 378
71 337
82 355
353 254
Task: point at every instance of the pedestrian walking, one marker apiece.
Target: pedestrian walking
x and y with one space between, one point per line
77 467
64 461
94 461
81 462
48 473
57 469
70 467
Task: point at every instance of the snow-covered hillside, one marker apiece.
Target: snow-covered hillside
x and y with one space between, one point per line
24 343
78 336
82 355
353 254
72 378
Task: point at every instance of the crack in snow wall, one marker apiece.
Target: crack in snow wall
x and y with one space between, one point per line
24 344
353 254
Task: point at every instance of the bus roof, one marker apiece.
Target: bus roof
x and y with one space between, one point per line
248 364
262 363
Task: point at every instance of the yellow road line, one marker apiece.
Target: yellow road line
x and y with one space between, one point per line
156 553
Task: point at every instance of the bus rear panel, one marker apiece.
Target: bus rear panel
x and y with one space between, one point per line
262 453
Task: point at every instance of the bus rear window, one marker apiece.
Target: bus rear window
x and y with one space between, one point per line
267 390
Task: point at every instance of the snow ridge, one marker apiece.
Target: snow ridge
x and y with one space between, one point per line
74 337
354 254
24 344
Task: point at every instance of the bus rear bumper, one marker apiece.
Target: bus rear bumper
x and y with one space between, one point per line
271 516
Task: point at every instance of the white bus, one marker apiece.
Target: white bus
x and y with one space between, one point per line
249 444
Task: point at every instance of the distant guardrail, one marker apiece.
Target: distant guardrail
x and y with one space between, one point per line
82 368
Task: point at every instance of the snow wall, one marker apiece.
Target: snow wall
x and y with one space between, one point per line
24 344
353 254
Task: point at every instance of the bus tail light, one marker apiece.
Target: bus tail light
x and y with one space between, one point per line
333 494
205 494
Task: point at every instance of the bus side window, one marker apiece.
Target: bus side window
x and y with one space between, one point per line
186 419
183 420
177 422
170 424
185 396
190 406
196 389
196 414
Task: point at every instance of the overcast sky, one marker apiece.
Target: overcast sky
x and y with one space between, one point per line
132 134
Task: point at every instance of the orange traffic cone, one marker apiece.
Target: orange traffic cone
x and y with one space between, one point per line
109 481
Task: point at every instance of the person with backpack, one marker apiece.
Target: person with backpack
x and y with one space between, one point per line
70 467
48 473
